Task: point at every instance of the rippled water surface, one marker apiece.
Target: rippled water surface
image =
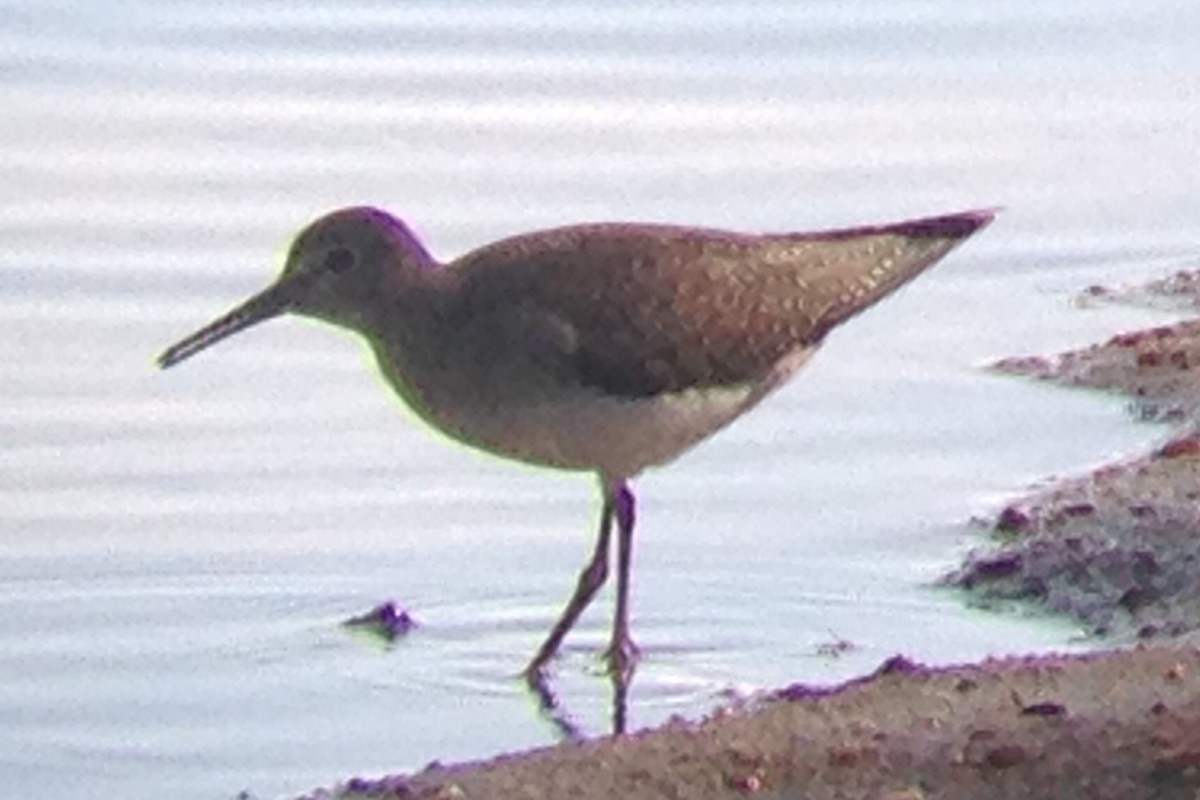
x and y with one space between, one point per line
178 549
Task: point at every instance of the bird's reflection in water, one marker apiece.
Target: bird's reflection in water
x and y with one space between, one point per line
552 708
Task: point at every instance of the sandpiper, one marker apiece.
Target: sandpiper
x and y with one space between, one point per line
605 348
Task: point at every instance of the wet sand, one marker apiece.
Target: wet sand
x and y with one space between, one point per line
1117 548
1124 725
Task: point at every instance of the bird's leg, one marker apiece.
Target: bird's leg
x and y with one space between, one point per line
622 653
590 580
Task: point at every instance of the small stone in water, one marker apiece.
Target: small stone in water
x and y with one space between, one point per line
386 619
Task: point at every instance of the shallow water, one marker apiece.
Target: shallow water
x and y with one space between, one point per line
178 549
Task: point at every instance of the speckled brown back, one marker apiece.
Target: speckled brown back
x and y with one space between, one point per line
653 309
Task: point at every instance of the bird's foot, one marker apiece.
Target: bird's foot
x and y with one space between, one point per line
535 673
622 657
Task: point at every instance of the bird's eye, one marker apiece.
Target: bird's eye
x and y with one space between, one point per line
339 259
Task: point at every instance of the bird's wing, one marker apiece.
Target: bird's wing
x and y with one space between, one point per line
640 310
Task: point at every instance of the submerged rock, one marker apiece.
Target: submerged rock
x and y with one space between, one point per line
387 620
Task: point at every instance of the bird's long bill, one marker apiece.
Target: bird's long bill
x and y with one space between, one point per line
271 302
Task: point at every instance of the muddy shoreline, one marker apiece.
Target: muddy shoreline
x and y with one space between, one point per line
1123 724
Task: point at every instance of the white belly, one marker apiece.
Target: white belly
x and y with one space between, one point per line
616 437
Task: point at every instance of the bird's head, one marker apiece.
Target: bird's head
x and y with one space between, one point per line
335 272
